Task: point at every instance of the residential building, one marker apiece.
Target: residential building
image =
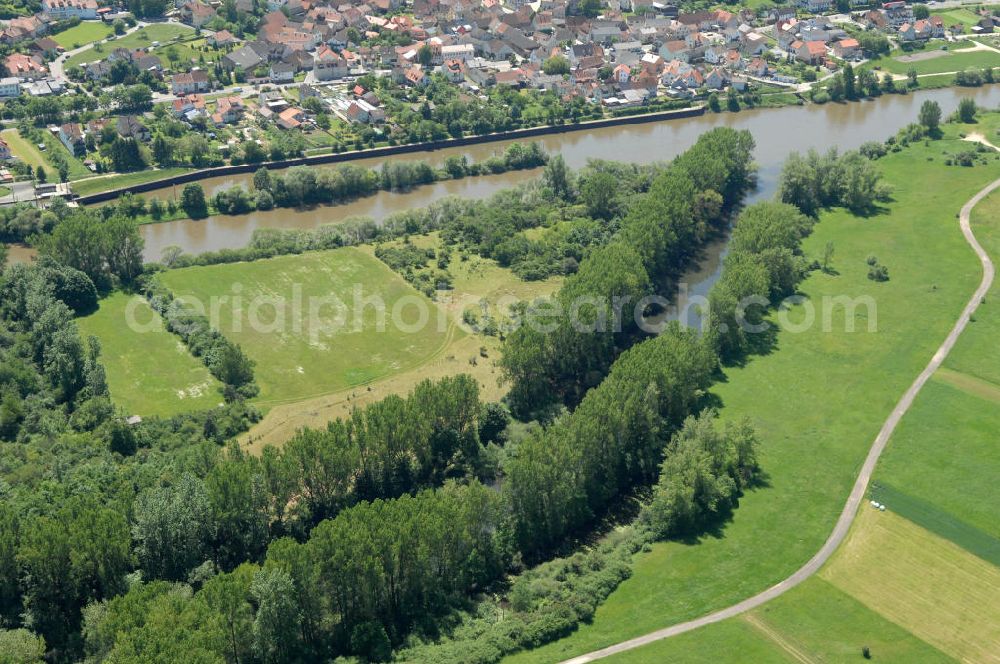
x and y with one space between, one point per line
10 86
63 9
195 81
71 135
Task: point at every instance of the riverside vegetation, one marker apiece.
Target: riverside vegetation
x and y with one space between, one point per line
180 549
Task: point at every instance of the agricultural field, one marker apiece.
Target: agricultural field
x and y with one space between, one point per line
811 458
85 33
475 280
159 32
301 349
149 373
925 584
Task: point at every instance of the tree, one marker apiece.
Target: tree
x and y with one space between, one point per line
921 12
40 174
557 65
276 624
599 192
193 201
911 77
967 110
589 8
425 55
558 178
930 117
123 245
172 528
849 82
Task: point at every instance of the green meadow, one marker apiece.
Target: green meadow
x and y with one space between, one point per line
299 355
152 372
818 399
144 38
939 61
86 32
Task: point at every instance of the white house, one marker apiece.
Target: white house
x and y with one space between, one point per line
84 9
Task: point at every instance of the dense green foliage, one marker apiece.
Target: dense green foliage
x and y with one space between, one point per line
764 264
599 308
817 181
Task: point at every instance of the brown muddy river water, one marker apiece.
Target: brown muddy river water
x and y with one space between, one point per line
776 131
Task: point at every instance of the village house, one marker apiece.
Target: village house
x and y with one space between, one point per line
847 49
222 38
129 126
189 106
281 72
63 9
196 13
291 118
25 66
328 64
71 135
10 86
245 59
195 81
227 111
811 53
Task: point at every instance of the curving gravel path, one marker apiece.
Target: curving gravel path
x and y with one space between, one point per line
860 485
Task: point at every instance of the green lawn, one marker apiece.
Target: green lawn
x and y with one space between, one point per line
818 401
76 167
943 61
85 33
26 151
94 184
958 16
149 372
297 358
159 32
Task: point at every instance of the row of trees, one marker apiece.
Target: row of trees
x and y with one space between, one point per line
660 234
224 359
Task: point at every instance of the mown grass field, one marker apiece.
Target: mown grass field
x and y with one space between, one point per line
958 16
97 183
813 437
300 358
159 32
942 61
26 151
474 280
149 373
85 33
923 583
815 622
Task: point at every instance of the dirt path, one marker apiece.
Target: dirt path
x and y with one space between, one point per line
843 525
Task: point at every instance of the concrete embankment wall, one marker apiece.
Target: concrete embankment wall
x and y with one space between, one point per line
389 150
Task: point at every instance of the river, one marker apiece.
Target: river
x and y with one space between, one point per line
777 132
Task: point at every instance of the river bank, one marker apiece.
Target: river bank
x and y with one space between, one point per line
380 153
778 132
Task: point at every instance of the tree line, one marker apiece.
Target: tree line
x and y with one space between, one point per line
306 185
660 235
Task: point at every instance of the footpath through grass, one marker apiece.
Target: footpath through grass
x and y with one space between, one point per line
143 38
818 399
149 373
283 312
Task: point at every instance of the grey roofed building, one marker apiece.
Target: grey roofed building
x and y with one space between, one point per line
244 58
